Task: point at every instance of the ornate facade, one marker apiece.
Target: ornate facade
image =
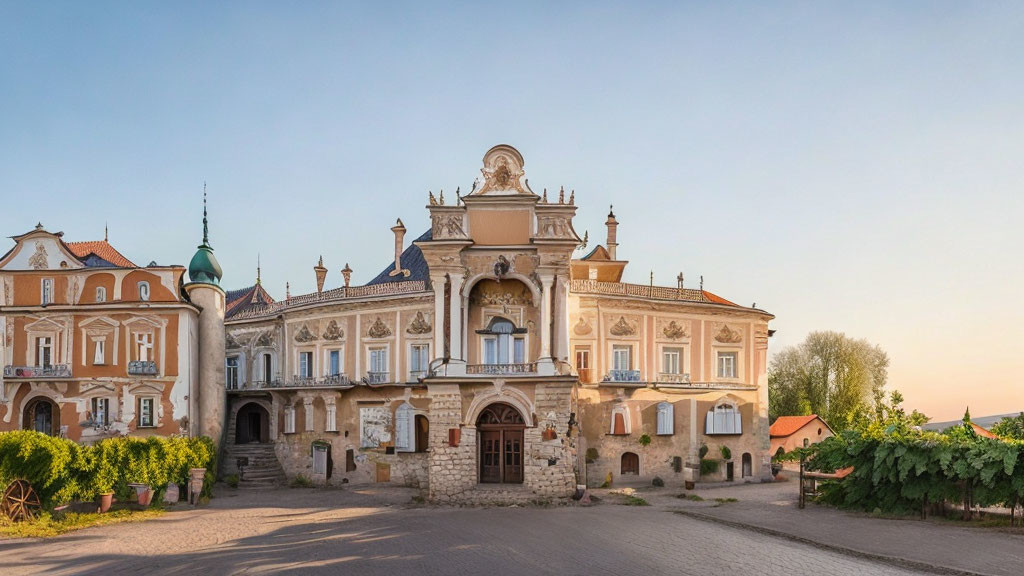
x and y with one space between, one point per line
93 345
486 363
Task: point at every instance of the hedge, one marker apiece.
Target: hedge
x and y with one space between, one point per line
62 471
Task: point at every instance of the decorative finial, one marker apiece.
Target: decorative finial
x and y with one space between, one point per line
545 198
679 280
586 239
106 232
572 197
754 305
433 200
346 272
652 277
442 197
206 228
702 282
258 280
611 211
458 195
39 226
561 195
287 291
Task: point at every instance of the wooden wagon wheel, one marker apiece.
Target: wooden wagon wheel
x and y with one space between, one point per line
20 501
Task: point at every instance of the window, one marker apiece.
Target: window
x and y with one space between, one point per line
334 362
724 418
231 372
419 357
146 413
268 363
100 411
320 460
620 420
144 346
727 364
305 364
583 364
807 442
671 360
405 428
666 419
289 419
144 291
44 350
379 361
47 291
101 294
99 352
503 343
622 357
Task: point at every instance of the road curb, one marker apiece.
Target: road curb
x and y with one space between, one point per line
898 562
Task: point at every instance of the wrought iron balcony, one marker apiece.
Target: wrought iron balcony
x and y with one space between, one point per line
415 375
142 368
376 378
622 376
50 371
674 378
502 369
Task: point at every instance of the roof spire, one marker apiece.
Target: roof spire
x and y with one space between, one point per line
206 229
258 281
106 232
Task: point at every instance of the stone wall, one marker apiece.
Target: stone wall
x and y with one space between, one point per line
452 468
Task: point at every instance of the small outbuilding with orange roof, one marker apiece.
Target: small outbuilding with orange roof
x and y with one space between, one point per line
791 432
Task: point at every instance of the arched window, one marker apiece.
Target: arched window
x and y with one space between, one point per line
724 418
503 343
620 420
144 291
101 294
666 419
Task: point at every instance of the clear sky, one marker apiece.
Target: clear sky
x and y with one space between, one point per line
852 167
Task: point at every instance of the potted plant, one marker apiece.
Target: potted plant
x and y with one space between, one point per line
104 490
143 493
195 484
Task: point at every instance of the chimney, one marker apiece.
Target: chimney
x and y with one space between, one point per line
321 275
346 272
612 224
399 230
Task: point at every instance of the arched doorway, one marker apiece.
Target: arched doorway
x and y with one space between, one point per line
500 433
630 464
252 424
42 415
748 469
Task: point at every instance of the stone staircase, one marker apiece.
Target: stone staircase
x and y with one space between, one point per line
263 470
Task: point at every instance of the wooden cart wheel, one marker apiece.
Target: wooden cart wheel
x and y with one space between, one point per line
20 501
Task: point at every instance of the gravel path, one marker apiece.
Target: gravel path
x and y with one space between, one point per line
370 531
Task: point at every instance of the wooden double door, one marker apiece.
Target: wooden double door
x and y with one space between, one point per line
501 455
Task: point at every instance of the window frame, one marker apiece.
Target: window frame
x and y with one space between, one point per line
231 372
152 412
721 355
101 294
730 421
305 363
419 355
94 404
47 292
616 349
48 347
99 351
666 421
144 295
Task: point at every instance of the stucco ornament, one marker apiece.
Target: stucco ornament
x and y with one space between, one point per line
674 331
38 260
447 226
265 339
419 325
333 332
379 329
503 172
502 266
304 335
554 227
231 342
582 327
491 295
728 336
622 328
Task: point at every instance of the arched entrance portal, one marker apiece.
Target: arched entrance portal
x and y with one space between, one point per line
500 433
42 415
252 424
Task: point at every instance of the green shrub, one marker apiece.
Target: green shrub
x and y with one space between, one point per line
62 471
302 481
231 480
726 453
708 466
657 481
703 450
644 440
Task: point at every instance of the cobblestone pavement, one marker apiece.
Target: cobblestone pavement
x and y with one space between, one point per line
375 532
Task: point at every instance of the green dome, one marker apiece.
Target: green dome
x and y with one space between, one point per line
204 267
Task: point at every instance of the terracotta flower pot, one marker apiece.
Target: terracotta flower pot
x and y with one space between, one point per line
106 500
690 485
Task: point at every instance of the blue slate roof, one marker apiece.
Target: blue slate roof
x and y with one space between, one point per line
412 260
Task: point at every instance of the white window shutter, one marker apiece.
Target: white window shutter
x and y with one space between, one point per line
737 422
404 430
709 424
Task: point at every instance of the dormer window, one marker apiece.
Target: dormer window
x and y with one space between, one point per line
47 291
101 294
503 343
144 291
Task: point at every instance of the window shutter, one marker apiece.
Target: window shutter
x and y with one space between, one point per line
620 424
666 419
403 429
737 422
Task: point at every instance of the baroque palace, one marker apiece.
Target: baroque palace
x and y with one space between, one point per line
486 363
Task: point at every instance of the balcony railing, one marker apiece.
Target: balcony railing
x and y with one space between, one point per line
622 376
416 375
339 380
376 378
502 369
674 378
142 368
51 371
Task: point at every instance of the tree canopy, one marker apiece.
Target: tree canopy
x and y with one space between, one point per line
1010 427
828 374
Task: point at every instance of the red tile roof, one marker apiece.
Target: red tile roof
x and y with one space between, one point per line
786 425
982 432
103 249
717 299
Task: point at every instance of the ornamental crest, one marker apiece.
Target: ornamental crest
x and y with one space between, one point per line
582 327
333 332
728 336
265 340
491 294
554 227
445 225
674 331
304 335
419 325
379 329
622 328
38 260
231 341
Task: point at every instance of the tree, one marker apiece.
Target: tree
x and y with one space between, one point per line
1010 427
830 375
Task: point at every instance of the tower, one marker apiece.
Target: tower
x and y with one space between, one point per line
208 394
